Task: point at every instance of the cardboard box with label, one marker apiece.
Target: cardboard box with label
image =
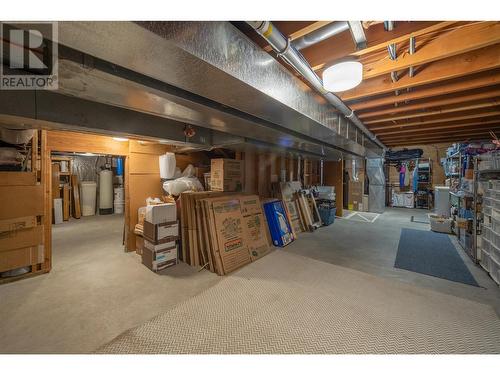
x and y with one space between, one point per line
161 233
254 226
355 194
161 259
226 175
231 244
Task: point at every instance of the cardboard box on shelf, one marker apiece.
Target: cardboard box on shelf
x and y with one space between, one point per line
161 213
160 233
226 175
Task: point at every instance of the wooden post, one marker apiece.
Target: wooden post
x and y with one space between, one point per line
333 176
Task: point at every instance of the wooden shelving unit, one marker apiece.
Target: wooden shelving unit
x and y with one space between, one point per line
23 242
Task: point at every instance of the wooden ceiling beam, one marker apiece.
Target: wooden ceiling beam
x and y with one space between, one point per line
455 42
453 67
447 127
440 140
404 38
483 80
431 104
494 127
436 121
459 137
327 52
456 108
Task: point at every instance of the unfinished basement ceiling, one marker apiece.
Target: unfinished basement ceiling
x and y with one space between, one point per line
206 74
447 90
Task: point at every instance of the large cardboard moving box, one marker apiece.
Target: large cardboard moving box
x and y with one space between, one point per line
356 195
226 175
254 226
231 244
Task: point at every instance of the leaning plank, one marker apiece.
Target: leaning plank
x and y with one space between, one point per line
77 213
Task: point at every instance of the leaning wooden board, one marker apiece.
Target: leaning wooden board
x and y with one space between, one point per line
77 213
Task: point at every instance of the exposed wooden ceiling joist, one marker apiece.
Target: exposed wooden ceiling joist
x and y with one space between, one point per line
424 105
461 132
327 52
447 127
453 67
464 39
404 38
420 141
483 80
437 120
451 109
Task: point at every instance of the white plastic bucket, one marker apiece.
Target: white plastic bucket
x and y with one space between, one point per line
167 165
119 206
119 194
88 197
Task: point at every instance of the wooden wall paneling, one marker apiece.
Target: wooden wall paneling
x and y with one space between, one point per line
250 172
46 183
333 176
143 182
291 169
83 142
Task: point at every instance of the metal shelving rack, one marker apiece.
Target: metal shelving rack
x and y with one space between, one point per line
423 200
478 219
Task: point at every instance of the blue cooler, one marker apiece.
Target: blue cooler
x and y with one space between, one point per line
281 231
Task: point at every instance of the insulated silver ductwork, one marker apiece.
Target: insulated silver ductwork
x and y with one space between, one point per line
321 34
294 58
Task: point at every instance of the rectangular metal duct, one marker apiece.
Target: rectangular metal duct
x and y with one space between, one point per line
256 98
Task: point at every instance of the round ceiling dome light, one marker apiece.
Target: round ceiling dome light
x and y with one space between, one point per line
343 76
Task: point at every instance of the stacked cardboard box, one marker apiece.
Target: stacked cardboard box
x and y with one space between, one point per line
226 175
160 233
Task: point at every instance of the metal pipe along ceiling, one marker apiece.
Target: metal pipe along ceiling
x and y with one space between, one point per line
321 34
294 58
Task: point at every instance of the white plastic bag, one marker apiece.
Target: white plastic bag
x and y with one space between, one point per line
189 171
179 185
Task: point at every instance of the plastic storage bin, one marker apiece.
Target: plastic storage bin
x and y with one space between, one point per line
487 202
495 184
495 238
486 233
485 260
495 270
494 252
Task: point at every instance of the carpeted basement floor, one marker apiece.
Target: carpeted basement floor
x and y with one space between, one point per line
286 303
333 290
